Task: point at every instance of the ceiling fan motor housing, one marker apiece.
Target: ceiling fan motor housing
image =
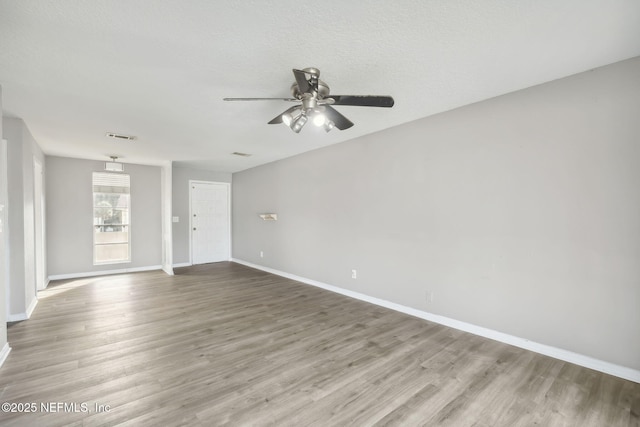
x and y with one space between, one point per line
323 90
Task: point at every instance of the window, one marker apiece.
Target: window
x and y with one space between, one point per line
111 218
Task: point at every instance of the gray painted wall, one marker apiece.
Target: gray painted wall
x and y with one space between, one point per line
180 206
21 151
69 214
520 214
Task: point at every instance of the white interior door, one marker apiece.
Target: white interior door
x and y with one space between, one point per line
210 225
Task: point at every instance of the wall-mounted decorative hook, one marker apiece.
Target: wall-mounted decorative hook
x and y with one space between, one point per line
269 216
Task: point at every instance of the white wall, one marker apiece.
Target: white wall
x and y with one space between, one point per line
520 214
4 244
69 214
166 176
180 206
21 151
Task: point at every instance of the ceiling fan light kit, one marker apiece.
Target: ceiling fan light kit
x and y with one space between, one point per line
316 103
298 123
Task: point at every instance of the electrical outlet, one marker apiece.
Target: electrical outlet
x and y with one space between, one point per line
261 254
354 274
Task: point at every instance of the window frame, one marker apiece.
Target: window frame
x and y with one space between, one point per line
128 224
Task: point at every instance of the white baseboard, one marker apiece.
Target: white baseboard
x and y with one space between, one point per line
182 264
32 306
4 353
103 272
557 353
23 316
17 317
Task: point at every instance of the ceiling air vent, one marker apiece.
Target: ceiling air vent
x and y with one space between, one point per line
120 136
235 153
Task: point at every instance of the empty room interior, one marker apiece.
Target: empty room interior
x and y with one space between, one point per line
320 213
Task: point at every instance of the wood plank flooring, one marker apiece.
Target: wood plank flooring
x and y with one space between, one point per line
223 344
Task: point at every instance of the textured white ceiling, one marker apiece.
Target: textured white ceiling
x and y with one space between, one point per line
158 69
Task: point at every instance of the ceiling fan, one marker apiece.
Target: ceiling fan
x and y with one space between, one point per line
316 103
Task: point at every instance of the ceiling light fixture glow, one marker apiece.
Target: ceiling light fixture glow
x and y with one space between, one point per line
319 119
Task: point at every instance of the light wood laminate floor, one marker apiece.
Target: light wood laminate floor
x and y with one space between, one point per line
223 344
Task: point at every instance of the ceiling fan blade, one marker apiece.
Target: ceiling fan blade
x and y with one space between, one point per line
301 79
278 119
260 99
363 101
338 119
326 101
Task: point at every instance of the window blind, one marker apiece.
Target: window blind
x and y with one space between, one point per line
118 183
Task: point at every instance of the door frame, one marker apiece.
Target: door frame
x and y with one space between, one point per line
4 236
39 225
226 184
